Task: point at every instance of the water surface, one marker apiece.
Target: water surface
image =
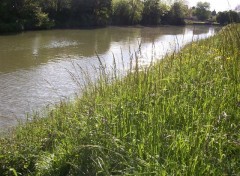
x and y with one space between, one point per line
35 66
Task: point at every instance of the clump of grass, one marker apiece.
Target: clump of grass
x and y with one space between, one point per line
179 116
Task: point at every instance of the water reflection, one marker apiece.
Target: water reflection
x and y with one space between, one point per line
30 49
34 66
201 29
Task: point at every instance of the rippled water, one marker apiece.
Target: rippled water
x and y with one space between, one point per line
35 66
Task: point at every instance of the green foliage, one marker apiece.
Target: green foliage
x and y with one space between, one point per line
22 14
127 12
8 20
176 14
30 14
121 12
58 10
203 10
179 116
44 14
90 13
10 27
228 17
153 12
102 12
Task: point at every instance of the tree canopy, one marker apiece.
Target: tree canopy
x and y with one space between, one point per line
153 12
203 10
17 15
177 14
227 17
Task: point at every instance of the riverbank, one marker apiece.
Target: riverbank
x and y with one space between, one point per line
204 23
178 116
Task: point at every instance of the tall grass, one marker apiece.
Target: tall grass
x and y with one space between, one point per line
179 116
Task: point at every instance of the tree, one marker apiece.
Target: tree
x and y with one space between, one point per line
177 14
227 17
203 10
17 15
57 10
136 11
127 12
121 12
90 13
153 12
8 17
102 12
214 13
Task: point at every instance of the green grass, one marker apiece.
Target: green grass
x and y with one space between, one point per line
180 116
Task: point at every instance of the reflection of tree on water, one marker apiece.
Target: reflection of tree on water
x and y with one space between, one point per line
94 41
31 49
200 30
34 48
149 35
124 34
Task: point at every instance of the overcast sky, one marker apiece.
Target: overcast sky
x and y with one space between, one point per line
218 5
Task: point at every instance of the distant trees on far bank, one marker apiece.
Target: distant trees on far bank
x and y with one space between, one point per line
203 11
227 17
153 12
177 13
17 15
126 12
43 14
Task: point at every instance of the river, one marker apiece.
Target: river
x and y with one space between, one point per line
35 66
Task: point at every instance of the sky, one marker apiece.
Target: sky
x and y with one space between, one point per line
218 5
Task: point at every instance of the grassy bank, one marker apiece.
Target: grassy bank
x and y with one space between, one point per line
179 116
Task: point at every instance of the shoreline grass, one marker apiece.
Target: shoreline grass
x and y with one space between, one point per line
179 116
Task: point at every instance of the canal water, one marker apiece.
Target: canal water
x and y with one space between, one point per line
36 67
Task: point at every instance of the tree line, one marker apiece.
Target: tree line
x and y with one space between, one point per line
202 12
17 15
